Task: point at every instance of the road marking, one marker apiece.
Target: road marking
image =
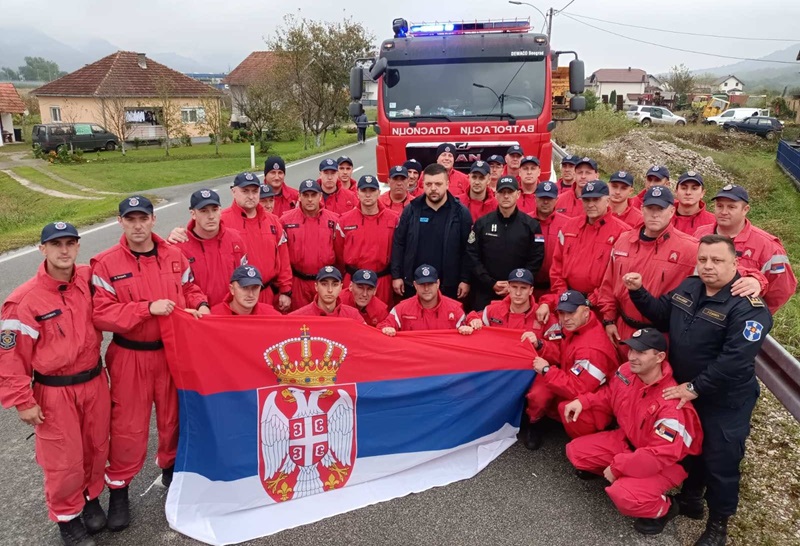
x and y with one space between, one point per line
358 169
326 154
157 483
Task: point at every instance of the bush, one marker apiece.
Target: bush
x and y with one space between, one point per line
264 146
186 140
137 142
38 153
592 127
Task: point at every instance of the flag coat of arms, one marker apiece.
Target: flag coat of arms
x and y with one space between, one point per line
286 421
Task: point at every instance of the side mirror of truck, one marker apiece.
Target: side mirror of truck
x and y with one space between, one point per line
355 109
577 104
378 68
576 77
356 82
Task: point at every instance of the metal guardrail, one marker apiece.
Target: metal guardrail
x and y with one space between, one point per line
775 366
788 159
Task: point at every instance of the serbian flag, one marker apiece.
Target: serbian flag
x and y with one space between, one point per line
286 421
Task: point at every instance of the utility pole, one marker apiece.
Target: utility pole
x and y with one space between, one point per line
549 24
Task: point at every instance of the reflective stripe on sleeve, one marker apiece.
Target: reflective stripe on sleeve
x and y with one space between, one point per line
19 326
100 282
187 276
485 316
676 425
393 312
593 370
777 259
460 322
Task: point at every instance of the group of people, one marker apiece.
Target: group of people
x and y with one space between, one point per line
645 313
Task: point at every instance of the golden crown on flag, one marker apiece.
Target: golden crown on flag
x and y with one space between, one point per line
306 360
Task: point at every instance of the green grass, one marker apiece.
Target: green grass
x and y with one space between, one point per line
23 212
45 181
593 127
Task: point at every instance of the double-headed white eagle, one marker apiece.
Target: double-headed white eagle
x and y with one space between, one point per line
275 437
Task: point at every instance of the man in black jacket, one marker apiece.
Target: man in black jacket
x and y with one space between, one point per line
500 242
714 338
433 230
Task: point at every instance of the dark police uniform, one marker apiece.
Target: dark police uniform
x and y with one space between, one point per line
713 344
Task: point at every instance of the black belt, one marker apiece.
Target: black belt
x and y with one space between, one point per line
382 273
303 276
271 285
67 380
126 343
633 323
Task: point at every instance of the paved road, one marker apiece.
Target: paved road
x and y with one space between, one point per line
522 498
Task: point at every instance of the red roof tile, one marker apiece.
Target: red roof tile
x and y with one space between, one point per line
252 68
619 75
120 75
10 102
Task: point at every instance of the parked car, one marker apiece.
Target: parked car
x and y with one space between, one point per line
735 114
82 136
758 125
648 115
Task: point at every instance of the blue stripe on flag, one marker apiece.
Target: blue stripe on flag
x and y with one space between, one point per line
219 432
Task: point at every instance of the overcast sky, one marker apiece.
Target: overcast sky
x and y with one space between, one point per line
225 32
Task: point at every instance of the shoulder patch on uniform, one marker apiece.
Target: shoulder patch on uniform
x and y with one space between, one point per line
471 238
622 378
683 300
756 301
752 330
666 432
8 339
52 314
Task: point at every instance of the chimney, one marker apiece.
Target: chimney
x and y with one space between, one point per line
141 60
629 69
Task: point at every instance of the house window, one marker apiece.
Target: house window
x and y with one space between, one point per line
725 84
55 113
192 115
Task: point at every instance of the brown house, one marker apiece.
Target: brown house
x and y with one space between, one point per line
255 67
128 93
10 103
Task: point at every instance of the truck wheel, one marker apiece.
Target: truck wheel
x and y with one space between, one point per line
646 122
111 146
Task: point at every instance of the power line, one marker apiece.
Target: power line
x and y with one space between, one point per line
565 7
678 48
688 33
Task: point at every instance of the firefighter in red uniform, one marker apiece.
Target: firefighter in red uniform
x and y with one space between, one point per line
263 236
661 253
361 295
496 165
368 235
757 250
640 458
327 302
135 281
657 175
315 240
691 213
580 259
266 198
551 223
567 179
345 172
529 172
213 251
427 310
459 182
569 203
620 188
243 293
414 170
579 363
335 197
275 177
398 196
514 156
46 333
480 199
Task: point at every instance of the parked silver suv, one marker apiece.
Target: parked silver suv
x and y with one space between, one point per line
648 115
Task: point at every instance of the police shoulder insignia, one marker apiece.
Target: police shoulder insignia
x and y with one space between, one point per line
471 238
752 330
8 339
756 301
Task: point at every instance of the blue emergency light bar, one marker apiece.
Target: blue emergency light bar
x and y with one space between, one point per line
437 29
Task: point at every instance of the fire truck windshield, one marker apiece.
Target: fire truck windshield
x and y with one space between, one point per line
468 89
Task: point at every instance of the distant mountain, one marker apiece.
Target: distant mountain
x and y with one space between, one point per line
757 75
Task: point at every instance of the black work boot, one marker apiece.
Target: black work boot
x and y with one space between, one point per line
654 526
93 516
586 475
532 437
716 533
73 533
119 514
166 475
690 503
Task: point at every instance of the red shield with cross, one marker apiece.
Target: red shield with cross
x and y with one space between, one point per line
308 439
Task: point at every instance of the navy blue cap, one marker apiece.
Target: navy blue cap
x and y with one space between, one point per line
530 159
425 274
589 161
507 183
496 159
274 163
658 170
570 160
515 149
521 275
344 159
734 192
329 272
647 338
445 147
204 197
546 189
56 230
398 170
691 176
368 181
247 275
135 203
658 195
413 164
479 167
309 185
595 188
245 179
622 176
570 301
266 191
365 276
328 165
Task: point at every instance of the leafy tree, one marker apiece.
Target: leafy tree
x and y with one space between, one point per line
217 118
612 99
9 74
591 99
265 102
169 113
680 80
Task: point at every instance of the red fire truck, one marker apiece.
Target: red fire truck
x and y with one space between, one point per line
482 86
